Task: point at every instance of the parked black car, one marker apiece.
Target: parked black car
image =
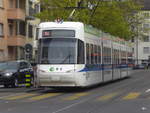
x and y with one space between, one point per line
13 73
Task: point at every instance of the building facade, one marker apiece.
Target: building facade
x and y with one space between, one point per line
15 32
142 44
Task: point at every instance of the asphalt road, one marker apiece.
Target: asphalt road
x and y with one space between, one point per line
130 95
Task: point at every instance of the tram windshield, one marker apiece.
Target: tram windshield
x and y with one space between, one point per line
57 51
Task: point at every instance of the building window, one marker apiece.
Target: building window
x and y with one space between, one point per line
37 8
11 3
21 28
1 30
146 50
146 26
1 3
1 55
30 32
146 15
146 39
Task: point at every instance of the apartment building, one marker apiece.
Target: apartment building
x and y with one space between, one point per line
3 30
142 45
15 30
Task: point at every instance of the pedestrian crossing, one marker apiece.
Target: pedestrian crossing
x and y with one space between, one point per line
107 96
132 95
30 97
44 96
75 96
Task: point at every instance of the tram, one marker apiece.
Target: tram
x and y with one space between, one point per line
72 54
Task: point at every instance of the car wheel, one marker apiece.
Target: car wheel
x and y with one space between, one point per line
6 85
15 83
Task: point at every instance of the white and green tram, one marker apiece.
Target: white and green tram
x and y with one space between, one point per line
71 54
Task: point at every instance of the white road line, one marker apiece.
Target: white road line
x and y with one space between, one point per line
67 107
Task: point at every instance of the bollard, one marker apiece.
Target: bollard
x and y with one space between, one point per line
28 80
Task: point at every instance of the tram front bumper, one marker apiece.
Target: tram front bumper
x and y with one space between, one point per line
60 79
56 79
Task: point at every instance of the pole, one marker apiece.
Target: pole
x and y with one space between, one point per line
137 50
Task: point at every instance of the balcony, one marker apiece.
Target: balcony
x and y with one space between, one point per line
16 14
16 40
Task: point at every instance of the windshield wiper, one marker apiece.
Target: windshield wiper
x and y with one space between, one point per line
66 58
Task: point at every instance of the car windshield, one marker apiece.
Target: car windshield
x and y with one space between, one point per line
8 65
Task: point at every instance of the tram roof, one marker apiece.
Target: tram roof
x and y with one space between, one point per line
87 29
60 24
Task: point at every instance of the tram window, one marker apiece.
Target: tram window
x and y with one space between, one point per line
118 58
92 55
109 55
105 54
45 50
100 55
80 59
123 57
87 54
97 48
115 56
95 54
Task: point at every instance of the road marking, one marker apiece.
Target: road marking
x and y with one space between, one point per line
131 96
107 97
70 106
19 96
2 97
76 96
44 96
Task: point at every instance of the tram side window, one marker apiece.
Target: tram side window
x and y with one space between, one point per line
99 55
115 56
109 55
92 53
118 57
95 54
104 55
80 52
87 54
123 57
